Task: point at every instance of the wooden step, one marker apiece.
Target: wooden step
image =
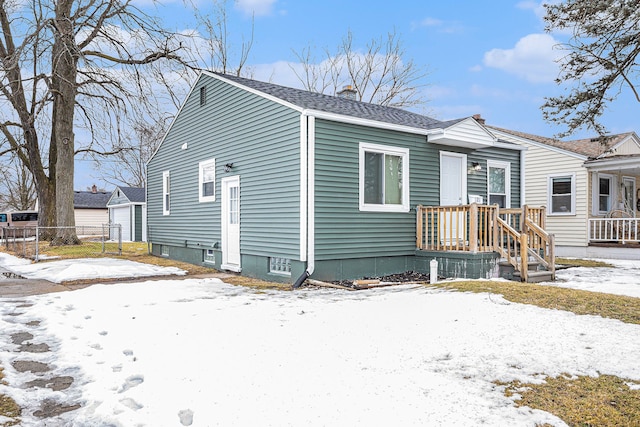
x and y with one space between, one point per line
535 276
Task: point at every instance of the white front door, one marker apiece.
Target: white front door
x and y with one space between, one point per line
453 189
231 223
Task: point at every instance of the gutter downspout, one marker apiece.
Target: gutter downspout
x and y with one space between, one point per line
307 187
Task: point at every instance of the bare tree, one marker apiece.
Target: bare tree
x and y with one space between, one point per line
380 75
17 189
212 46
217 51
64 65
128 166
601 60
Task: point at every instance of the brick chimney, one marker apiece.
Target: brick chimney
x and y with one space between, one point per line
94 189
478 118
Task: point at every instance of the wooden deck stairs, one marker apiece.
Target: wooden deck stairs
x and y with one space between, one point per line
517 235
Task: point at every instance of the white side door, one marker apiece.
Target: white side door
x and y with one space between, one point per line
453 190
230 217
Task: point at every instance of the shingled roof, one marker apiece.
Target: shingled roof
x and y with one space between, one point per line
340 105
90 200
589 147
134 194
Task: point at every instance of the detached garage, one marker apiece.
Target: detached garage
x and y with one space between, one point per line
127 207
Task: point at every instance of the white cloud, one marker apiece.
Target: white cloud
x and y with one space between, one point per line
535 6
256 7
441 26
533 58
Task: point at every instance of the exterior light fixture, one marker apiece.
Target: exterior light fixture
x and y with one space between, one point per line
475 167
228 167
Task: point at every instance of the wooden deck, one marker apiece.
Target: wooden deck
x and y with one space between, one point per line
518 235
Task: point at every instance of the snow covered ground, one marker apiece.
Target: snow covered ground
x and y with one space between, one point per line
204 353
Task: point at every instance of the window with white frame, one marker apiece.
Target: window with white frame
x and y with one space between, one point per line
499 183
209 255
207 180
384 178
166 193
562 194
605 193
629 185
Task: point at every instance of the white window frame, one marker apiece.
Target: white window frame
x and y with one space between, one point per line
201 166
166 193
209 256
386 150
596 193
550 179
631 179
507 180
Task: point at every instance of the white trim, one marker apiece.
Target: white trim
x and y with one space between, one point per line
201 166
572 176
507 177
595 198
523 178
223 224
303 187
524 140
166 190
463 172
311 196
633 192
608 164
384 149
255 91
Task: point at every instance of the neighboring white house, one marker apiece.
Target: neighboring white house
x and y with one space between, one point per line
127 207
585 184
90 210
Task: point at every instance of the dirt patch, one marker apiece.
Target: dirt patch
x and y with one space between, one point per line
20 337
406 277
35 348
51 408
54 383
30 366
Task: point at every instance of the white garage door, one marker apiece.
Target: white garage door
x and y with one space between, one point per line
121 216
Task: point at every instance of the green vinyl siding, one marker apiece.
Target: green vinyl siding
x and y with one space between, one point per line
262 140
137 223
477 182
341 229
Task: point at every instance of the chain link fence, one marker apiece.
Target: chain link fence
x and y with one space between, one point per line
34 242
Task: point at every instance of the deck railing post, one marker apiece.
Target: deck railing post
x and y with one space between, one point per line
473 228
524 257
420 227
494 219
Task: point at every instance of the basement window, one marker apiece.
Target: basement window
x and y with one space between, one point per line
279 265
209 256
164 250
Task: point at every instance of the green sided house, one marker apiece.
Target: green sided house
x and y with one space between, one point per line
280 184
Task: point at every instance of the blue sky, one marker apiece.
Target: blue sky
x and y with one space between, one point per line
489 58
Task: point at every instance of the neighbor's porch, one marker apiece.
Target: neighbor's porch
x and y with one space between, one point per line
517 236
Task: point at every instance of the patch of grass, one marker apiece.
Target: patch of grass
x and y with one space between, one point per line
8 407
626 309
582 262
256 284
604 401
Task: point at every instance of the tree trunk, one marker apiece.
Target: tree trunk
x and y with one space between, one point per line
65 54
